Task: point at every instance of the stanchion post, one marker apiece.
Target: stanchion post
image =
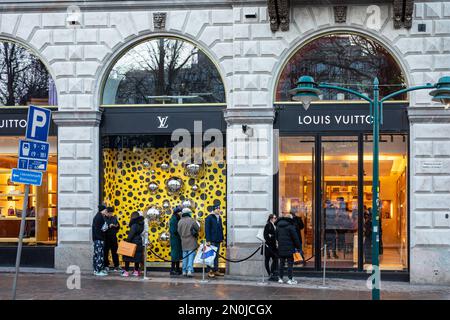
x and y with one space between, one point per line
263 282
145 262
324 263
203 264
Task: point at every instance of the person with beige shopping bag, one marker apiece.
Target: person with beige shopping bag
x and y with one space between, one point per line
132 248
288 246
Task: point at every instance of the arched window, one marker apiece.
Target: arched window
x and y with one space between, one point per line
163 71
24 80
349 60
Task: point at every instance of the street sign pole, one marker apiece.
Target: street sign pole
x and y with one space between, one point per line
21 233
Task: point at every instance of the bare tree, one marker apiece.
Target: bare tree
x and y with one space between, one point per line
22 75
165 67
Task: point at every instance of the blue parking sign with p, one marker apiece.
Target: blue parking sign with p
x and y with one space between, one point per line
38 124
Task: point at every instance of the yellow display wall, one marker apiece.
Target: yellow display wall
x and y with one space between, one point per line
127 174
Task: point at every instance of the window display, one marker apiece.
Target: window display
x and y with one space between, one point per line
41 215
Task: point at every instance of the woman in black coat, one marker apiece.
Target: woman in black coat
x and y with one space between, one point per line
288 242
271 248
135 236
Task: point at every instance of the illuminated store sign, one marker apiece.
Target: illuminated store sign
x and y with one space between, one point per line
13 123
338 117
335 119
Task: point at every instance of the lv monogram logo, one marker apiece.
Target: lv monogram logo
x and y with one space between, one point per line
163 122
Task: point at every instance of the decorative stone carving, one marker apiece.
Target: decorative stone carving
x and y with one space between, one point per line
159 20
409 9
273 15
340 14
403 12
283 13
398 14
278 14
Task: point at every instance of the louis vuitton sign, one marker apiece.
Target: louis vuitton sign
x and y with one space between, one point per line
338 117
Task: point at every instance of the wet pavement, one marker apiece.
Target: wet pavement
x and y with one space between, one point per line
53 286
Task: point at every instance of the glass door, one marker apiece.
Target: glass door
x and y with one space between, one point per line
297 187
339 201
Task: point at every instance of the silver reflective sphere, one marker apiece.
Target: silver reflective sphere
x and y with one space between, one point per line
164 238
146 163
174 185
153 187
195 188
166 204
187 204
165 166
193 170
153 214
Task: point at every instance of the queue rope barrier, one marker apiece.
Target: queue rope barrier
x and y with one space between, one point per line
240 260
226 259
164 260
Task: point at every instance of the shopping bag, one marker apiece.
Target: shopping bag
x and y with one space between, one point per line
206 255
297 257
126 249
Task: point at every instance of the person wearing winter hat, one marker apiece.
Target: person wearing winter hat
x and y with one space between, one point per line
176 253
98 236
187 228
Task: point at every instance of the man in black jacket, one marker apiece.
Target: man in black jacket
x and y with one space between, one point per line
98 236
111 239
288 243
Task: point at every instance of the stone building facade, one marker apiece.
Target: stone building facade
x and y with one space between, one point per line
238 38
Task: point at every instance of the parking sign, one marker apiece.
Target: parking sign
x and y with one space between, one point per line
38 124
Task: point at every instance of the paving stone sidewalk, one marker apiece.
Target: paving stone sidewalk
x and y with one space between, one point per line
159 286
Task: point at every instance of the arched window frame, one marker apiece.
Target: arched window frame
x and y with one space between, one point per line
345 101
211 60
21 86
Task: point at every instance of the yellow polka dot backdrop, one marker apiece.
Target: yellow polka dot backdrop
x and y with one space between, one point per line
135 180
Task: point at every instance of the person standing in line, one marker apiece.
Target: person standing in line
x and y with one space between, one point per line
288 243
299 226
135 236
187 229
98 236
270 252
111 243
176 253
214 236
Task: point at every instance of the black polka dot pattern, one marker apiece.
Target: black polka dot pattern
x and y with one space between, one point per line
126 182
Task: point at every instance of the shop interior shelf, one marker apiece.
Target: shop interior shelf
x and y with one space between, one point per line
13 218
5 195
27 240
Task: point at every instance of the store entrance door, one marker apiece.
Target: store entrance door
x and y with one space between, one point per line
339 201
326 180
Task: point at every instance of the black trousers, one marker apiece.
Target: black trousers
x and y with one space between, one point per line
111 245
175 266
290 263
127 266
270 254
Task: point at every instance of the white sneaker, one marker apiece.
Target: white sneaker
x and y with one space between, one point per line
292 282
189 274
280 280
100 274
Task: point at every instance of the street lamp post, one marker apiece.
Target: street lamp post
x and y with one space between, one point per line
308 91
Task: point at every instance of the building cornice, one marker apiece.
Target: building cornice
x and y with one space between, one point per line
249 115
77 118
428 114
